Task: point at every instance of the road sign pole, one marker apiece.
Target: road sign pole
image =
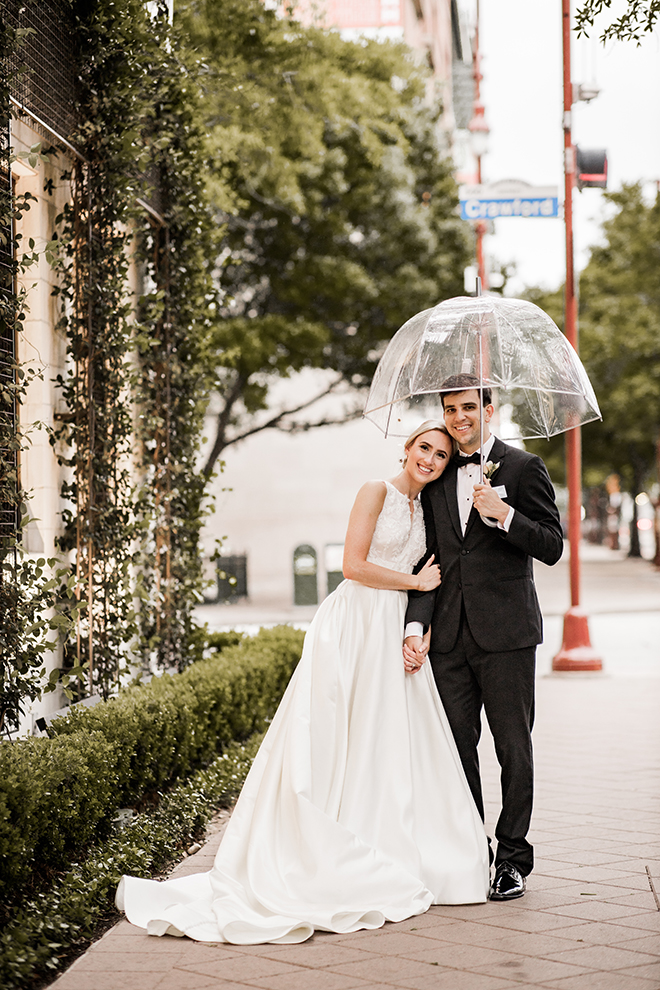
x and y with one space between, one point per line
576 652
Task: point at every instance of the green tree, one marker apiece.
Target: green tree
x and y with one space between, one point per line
552 451
620 337
620 345
340 211
639 17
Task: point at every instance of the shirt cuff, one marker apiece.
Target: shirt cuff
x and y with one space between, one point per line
413 629
506 525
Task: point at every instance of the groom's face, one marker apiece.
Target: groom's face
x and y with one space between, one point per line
462 418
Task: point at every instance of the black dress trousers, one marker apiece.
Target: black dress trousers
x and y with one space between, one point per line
468 677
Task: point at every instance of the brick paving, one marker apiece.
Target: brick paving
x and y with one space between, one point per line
589 920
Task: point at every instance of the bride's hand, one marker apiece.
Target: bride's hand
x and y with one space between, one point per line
429 576
414 653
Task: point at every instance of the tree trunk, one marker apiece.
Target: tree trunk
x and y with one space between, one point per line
222 422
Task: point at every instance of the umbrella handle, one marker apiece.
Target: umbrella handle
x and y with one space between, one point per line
481 398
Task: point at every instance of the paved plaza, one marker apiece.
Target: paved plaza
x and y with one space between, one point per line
591 916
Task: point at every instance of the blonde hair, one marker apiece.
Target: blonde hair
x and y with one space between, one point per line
425 427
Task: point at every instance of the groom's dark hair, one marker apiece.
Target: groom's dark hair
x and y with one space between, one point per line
463 383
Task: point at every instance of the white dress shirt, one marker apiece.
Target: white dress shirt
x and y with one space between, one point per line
467 477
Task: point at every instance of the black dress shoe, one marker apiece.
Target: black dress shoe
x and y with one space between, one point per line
508 883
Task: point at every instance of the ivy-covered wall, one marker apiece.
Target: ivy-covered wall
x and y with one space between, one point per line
120 216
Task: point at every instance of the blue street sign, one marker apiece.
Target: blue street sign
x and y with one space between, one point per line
508 199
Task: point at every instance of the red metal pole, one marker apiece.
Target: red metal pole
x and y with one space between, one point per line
576 652
481 230
478 122
573 444
573 472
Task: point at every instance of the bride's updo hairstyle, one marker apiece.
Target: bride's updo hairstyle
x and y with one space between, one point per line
428 424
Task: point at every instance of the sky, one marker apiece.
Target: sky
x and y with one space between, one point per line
522 94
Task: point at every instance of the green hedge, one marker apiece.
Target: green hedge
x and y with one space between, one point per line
51 927
57 794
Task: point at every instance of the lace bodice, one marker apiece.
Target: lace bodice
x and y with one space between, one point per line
398 542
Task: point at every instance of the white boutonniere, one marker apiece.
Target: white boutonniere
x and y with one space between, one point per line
490 469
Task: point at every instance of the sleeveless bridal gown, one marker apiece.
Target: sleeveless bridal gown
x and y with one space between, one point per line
356 810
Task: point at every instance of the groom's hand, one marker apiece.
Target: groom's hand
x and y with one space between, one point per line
489 504
414 653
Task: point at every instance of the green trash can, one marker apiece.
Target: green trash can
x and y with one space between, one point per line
305 569
334 555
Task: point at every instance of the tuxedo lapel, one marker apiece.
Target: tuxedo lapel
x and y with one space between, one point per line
449 488
471 520
498 451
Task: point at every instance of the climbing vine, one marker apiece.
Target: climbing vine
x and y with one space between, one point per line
178 259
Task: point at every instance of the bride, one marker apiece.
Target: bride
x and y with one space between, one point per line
356 810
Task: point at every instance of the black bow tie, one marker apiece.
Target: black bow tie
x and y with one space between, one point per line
462 460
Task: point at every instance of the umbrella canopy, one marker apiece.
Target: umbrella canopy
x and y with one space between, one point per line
510 345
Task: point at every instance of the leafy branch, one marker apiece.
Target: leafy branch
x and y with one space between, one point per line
281 420
638 19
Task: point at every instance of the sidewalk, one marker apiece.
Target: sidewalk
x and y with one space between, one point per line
589 918
621 597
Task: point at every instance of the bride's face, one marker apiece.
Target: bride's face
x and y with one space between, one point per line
428 456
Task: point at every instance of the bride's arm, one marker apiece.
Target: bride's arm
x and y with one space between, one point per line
361 525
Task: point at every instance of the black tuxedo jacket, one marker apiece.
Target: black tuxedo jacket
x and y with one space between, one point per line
489 572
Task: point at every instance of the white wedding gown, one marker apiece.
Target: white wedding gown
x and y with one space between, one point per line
356 810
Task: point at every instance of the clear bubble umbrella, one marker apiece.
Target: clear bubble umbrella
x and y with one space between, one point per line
510 345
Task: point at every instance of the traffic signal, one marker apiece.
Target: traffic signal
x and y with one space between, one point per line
591 168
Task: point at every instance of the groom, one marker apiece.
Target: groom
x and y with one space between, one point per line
485 618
